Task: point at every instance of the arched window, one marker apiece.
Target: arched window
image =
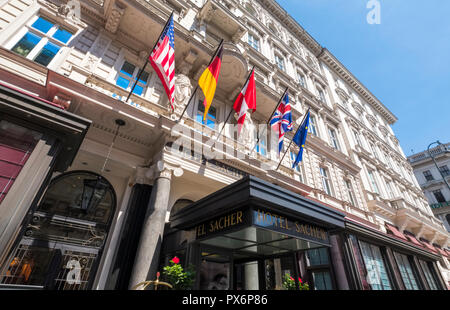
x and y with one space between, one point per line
63 241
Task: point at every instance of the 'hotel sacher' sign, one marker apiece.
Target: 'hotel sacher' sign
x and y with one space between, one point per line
268 220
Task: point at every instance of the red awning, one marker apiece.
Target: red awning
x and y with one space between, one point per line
395 231
429 246
414 240
443 253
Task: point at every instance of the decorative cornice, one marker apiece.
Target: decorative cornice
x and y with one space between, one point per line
334 64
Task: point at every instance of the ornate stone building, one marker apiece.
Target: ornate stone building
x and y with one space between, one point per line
95 197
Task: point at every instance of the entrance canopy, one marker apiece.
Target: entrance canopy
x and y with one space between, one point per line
252 216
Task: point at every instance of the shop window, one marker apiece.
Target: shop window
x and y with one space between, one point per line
16 145
377 276
322 280
127 76
359 262
428 274
67 231
406 271
42 41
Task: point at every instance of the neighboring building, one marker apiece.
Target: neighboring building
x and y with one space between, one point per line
81 191
431 179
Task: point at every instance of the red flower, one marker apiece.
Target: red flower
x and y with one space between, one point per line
175 260
300 280
291 278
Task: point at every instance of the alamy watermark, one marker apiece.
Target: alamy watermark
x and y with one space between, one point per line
374 15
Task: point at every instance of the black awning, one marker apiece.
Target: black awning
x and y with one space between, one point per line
256 193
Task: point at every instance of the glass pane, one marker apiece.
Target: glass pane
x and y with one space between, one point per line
214 275
138 90
127 69
46 54
62 35
26 44
42 24
122 82
144 78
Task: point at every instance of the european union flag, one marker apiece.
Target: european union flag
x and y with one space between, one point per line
300 139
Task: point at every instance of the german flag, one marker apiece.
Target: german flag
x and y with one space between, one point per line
209 77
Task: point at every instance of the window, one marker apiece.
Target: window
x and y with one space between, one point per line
42 41
428 176
357 138
406 271
253 41
68 228
16 145
325 181
439 196
301 79
390 190
428 274
350 192
373 150
313 125
377 276
279 60
444 170
333 138
318 262
261 147
293 157
127 76
373 182
321 95
210 120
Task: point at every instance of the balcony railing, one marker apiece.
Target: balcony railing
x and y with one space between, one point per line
438 150
440 205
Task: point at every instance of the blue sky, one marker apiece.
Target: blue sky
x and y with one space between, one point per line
404 61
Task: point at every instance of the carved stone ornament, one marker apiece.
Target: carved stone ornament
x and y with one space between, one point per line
183 91
247 132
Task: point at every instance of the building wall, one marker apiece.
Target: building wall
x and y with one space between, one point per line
88 68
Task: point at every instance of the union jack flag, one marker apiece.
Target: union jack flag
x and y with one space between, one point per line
282 120
162 59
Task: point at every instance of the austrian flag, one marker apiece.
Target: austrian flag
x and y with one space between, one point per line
246 100
162 59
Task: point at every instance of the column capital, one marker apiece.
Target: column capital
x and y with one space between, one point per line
162 169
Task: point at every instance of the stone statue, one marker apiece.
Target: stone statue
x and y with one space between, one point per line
183 91
247 135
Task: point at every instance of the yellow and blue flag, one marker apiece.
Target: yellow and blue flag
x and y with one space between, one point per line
300 139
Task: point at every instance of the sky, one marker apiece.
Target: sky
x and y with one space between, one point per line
404 60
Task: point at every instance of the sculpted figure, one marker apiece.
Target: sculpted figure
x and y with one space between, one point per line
183 91
247 135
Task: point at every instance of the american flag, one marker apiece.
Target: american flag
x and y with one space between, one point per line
282 120
162 59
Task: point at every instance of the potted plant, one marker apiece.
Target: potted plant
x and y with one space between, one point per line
289 283
179 278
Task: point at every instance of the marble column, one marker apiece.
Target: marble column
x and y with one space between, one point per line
148 252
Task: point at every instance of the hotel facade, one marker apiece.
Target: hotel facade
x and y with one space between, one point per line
98 192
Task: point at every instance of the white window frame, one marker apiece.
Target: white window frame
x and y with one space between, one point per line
326 182
334 140
254 39
146 88
45 38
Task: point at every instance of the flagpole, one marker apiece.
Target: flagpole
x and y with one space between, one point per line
196 87
292 140
248 78
267 123
146 62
